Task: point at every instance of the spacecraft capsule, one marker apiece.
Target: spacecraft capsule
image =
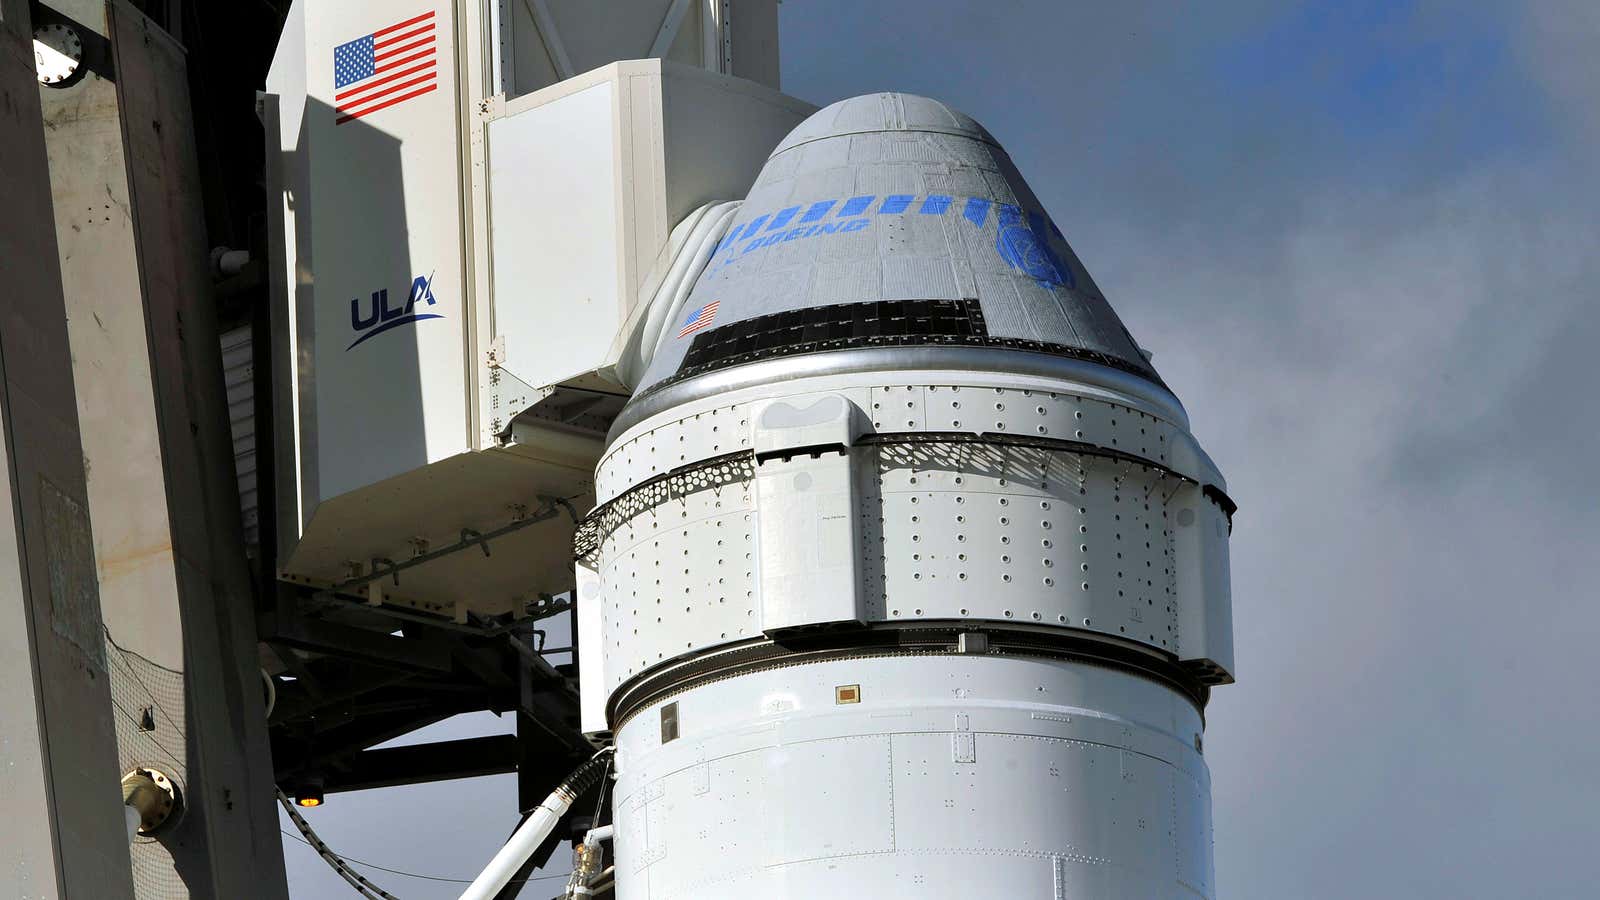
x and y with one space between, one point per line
912 579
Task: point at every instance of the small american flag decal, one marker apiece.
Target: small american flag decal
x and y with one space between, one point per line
699 318
389 66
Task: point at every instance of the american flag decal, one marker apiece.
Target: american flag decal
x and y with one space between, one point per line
700 318
389 66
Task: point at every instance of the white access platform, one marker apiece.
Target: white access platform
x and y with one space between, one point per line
459 272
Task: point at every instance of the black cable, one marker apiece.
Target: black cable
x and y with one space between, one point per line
372 865
154 700
140 726
355 879
600 801
128 652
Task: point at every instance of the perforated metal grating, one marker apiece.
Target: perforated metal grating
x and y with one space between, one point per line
875 323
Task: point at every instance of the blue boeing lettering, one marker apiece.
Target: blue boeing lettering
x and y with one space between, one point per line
1026 240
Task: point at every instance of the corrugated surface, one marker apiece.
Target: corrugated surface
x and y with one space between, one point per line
238 373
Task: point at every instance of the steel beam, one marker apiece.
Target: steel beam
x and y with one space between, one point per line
420 763
374 648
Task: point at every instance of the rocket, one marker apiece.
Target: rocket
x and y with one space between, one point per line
912 579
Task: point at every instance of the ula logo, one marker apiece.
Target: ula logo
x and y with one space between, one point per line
381 317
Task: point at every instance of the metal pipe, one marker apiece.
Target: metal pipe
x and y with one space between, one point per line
227 262
531 833
596 835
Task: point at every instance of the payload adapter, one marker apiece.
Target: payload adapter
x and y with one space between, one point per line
906 577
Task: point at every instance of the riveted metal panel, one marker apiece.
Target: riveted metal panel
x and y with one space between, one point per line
987 403
1024 535
680 578
948 528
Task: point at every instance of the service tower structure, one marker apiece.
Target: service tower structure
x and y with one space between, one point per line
911 579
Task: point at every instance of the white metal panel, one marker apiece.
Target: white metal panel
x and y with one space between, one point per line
839 773
708 830
1081 776
429 506
370 204
1200 559
630 836
638 146
590 599
807 518
385 209
556 235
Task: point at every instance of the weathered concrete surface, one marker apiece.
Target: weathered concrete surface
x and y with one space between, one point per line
62 836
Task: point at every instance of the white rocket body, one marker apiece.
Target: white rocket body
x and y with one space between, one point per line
911 579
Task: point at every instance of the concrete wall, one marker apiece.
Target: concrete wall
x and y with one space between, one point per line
174 582
63 833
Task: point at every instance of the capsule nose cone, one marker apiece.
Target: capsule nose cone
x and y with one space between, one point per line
886 112
891 219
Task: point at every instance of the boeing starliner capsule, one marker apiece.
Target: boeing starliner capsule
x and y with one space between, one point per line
914 581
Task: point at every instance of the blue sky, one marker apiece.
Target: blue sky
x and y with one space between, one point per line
1360 238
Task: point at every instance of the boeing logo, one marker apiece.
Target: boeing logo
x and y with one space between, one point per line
1022 238
381 317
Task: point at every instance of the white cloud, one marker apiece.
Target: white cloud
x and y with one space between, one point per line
1411 605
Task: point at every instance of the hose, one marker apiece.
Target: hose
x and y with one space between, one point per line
526 839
